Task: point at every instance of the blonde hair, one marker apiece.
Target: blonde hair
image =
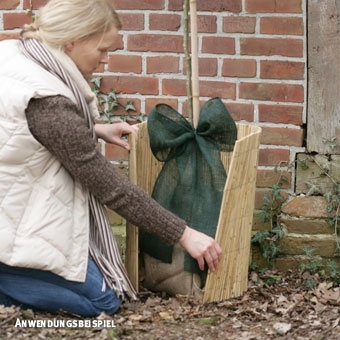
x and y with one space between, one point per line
62 21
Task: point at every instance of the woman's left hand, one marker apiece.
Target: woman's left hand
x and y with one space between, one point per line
114 133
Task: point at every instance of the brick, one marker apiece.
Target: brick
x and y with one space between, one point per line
176 5
155 43
258 224
242 68
273 6
234 6
120 110
274 157
261 192
125 63
152 102
284 194
282 136
305 226
289 263
218 45
282 26
271 46
206 24
165 22
294 244
162 64
275 69
284 114
9 4
241 111
139 4
272 92
172 22
185 109
16 20
115 153
220 89
126 84
132 21
267 178
207 67
256 257
239 24
306 206
177 87
35 4
174 87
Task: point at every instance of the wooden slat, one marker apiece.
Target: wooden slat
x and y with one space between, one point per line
236 216
143 171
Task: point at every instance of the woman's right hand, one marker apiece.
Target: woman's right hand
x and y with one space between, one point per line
201 247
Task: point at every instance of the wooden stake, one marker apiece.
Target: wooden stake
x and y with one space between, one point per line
194 62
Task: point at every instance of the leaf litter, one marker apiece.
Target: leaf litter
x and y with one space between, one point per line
283 309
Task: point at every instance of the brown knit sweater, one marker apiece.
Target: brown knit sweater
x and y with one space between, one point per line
58 126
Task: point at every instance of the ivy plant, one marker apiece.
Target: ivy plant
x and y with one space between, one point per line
109 103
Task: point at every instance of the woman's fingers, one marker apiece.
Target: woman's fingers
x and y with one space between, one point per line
213 257
201 247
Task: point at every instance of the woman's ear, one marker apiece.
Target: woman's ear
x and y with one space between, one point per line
69 47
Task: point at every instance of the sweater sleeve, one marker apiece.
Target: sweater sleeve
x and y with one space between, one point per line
56 124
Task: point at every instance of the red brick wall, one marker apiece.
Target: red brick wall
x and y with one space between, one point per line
252 55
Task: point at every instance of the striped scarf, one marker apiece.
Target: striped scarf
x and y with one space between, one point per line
102 245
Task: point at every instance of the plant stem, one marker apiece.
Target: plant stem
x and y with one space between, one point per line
187 57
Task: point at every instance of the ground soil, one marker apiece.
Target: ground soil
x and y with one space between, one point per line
275 306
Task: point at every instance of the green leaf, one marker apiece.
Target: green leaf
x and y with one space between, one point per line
130 106
96 81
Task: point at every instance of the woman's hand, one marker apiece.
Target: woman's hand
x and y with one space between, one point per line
201 247
114 133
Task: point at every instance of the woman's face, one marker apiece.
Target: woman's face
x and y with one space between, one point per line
90 53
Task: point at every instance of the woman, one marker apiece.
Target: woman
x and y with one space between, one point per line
56 250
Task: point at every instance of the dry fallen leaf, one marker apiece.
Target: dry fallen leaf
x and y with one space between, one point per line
168 315
282 328
298 313
135 317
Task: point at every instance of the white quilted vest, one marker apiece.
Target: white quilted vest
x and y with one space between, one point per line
44 214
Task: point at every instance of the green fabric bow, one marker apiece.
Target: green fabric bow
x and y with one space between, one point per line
192 179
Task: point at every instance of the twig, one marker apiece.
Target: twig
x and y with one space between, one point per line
323 170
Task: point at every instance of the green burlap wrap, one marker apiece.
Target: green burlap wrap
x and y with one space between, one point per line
192 179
